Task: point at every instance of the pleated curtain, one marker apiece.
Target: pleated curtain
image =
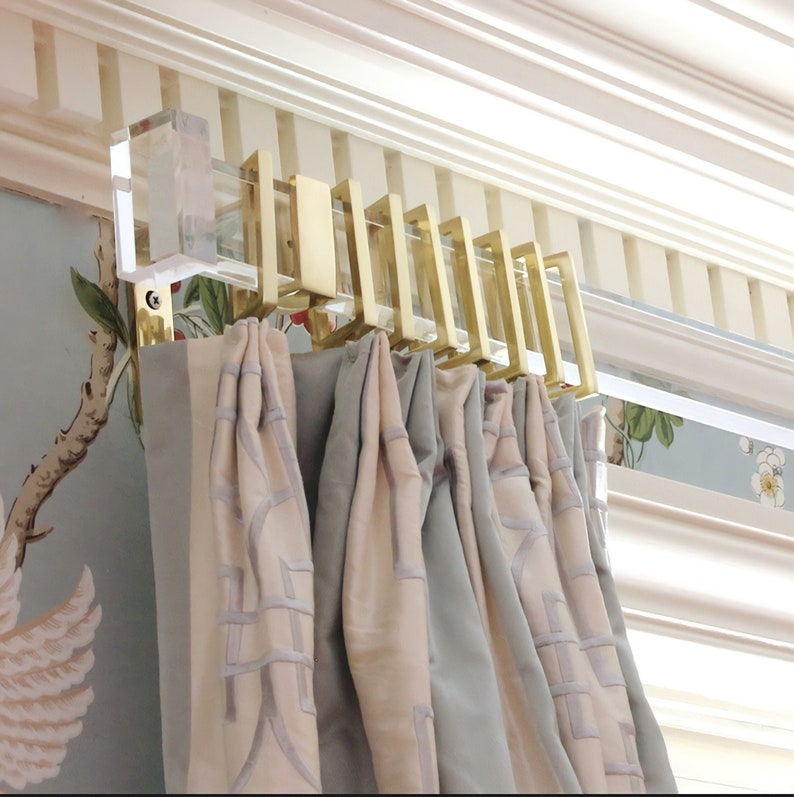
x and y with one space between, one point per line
378 575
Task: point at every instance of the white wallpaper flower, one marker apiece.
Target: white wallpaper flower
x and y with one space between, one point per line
767 481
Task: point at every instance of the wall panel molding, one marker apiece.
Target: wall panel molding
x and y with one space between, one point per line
703 559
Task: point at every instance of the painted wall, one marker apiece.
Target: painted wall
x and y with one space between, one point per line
99 510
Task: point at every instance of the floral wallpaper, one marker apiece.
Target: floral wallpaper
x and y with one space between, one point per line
676 448
767 481
78 648
631 426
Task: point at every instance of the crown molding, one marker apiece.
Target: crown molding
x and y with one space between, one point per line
592 46
513 112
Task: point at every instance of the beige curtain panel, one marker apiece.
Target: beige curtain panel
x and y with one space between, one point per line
378 576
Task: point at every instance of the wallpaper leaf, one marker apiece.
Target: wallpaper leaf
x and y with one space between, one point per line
216 302
196 324
132 405
664 429
640 422
192 293
630 423
98 306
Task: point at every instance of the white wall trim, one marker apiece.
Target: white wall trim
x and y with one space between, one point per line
48 172
709 562
479 123
60 163
706 634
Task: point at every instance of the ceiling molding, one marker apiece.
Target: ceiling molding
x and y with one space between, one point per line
557 35
679 173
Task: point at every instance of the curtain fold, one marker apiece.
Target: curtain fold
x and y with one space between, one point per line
535 569
377 576
471 745
345 758
540 764
589 450
264 564
583 592
384 596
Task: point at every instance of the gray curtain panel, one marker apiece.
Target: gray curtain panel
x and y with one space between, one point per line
329 385
471 743
375 575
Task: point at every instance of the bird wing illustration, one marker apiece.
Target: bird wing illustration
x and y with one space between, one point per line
42 668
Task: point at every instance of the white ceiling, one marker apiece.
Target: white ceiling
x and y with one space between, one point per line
747 44
739 48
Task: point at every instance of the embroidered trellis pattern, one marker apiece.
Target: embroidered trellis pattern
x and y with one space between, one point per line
384 593
264 556
559 590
